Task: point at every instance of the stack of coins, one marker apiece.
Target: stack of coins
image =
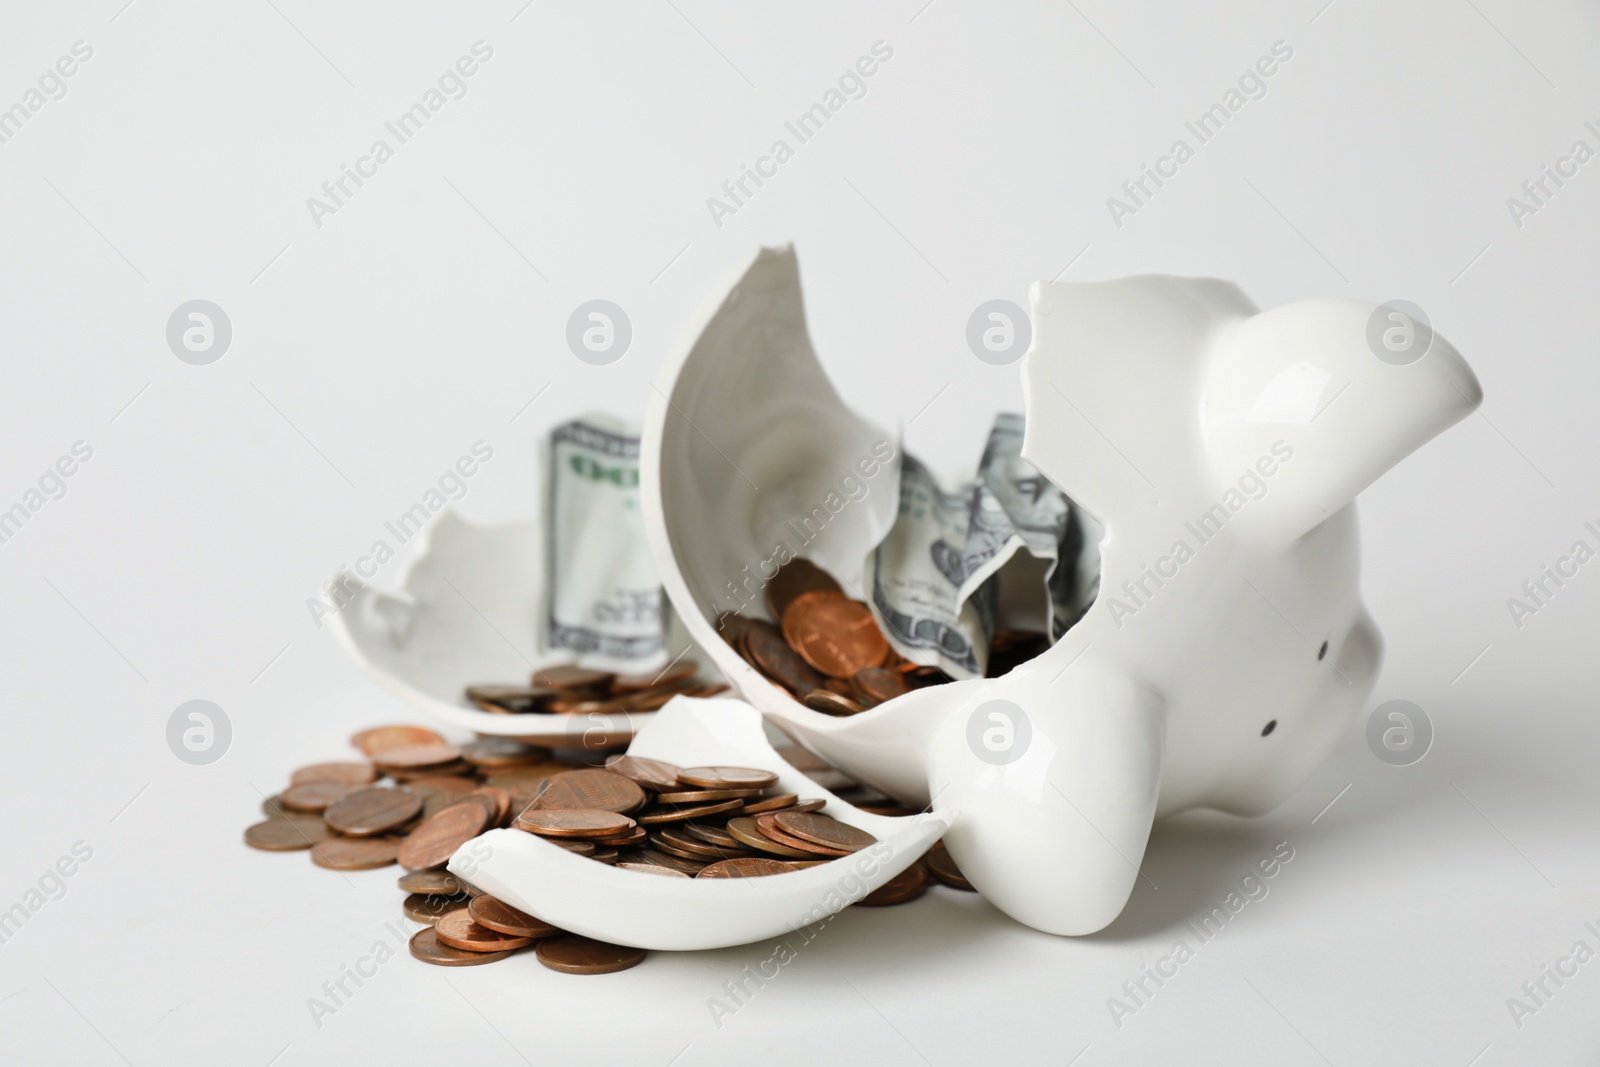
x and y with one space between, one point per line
827 650
415 799
579 690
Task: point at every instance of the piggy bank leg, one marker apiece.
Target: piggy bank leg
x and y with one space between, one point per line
1055 786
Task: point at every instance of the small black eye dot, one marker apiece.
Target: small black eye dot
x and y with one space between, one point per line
1323 651
1271 726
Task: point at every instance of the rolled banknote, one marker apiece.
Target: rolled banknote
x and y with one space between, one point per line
934 579
604 601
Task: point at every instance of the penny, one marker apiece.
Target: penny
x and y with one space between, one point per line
509 699
496 753
433 842
573 822
685 854
713 835
605 855
430 883
592 787
382 738
417 757
651 868
350 773
496 802
655 774
457 929
764 646
682 814
272 809
875 685
943 867
706 796
426 946
746 867
775 832
839 687
632 837
376 810
501 917
421 908
727 777
909 884
573 844
661 859
808 805
823 830
766 804
572 678
836 635
685 842
581 955
745 831
671 675
647 699
313 796
831 703
409 774
286 834
793 579
355 853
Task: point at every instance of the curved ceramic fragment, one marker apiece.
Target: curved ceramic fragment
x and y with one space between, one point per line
629 908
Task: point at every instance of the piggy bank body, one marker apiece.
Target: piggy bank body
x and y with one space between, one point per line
1219 447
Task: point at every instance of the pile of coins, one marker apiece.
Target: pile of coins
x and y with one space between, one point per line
579 690
827 650
416 799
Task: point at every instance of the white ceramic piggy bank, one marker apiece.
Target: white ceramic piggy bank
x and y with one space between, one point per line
1221 448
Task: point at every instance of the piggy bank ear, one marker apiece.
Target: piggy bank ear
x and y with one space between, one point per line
1304 406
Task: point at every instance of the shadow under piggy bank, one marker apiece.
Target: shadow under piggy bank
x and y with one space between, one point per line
1219 446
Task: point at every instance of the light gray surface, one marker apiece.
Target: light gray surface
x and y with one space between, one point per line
369 354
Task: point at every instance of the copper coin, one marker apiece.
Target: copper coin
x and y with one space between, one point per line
286 835
436 840
746 867
501 917
772 830
430 883
586 707
572 678
909 884
766 804
727 777
698 811
764 647
380 738
875 685
831 703
426 946
497 753
672 674
367 812
683 853
313 796
669 840
573 844
509 699
731 627
496 802
919 677
591 787
710 689
456 929
839 687
802 759
410 774
808 805
712 835
836 635
662 859
573 822
350 773
420 908
581 955
417 757
355 853
273 810
651 868
823 830
797 577
634 836
606 855
706 796
655 774
744 830
647 699
943 867
514 776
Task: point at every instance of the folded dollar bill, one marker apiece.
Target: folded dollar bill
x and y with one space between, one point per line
604 600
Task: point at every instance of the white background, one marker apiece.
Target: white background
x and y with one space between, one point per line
369 353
